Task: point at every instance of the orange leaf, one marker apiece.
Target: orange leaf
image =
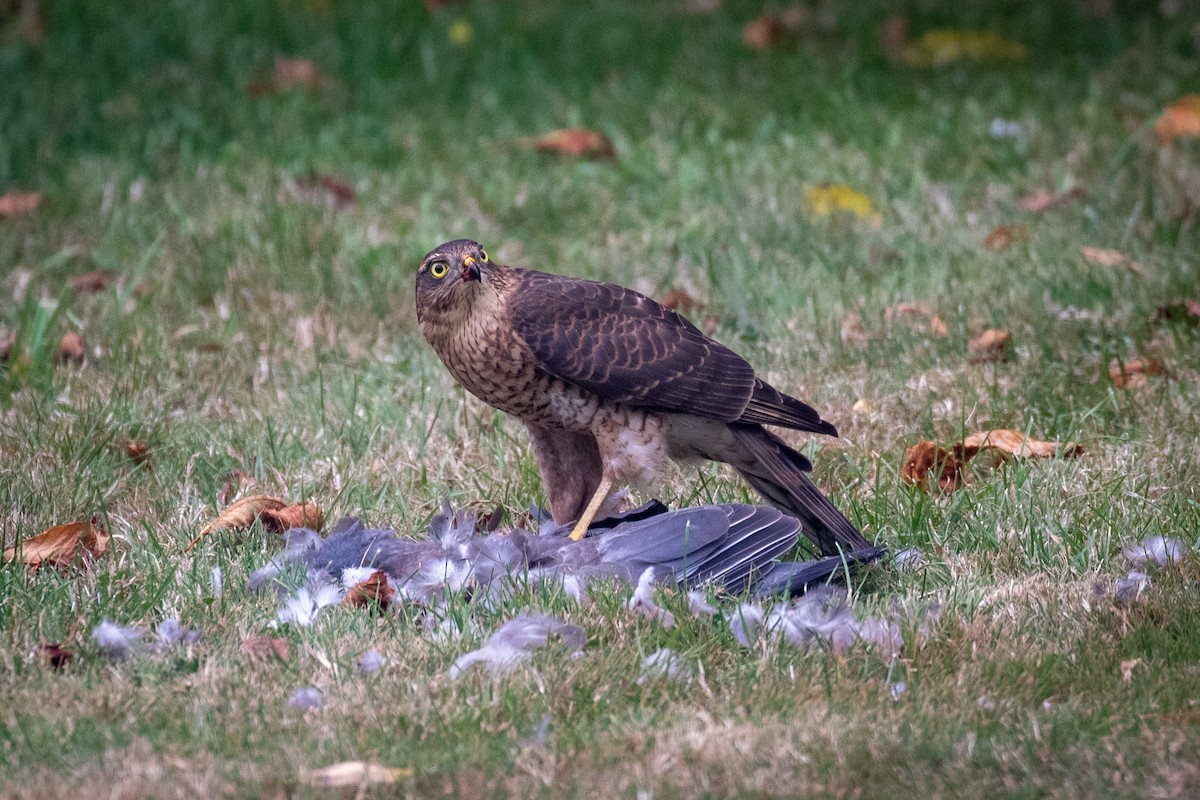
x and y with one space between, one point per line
16 203
333 191
58 546
1180 120
928 462
679 300
1110 258
763 33
1005 236
374 590
92 282
991 345
1044 199
579 142
1133 373
137 452
241 514
71 349
1020 445
297 515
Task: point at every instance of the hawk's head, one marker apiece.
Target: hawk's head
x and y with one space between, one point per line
451 276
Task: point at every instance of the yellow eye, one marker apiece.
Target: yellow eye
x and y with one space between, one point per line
438 269
483 256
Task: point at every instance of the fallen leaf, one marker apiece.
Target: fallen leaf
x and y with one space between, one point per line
1180 120
763 33
288 74
71 349
678 300
1044 199
264 648
829 198
1133 373
927 463
461 33
893 36
578 142
327 189
137 452
1022 446
92 282
991 345
1127 669
1004 236
241 514
947 46
1182 310
297 515
15 204
937 326
353 773
1110 258
54 654
59 546
375 590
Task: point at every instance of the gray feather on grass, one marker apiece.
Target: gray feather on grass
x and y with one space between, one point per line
514 640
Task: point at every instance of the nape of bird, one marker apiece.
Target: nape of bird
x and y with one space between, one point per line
612 386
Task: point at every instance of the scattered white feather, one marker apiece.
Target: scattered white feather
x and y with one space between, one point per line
214 582
643 603
514 640
908 560
898 689
698 604
306 699
116 641
1131 587
746 622
353 576
665 664
170 632
371 662
302 608
1158 550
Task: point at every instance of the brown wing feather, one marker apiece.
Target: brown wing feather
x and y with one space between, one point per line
627 348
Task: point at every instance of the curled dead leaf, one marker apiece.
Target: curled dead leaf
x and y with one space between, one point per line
92 282
679 300
1180 120
54 654
1110 258
327 190
1044 199
15 204
137 452
1004 236
375 590
71 348
578 142
297 515
1135 372
61 545
353 773
927 463
763 33
991 345
241 514
936 325
262 649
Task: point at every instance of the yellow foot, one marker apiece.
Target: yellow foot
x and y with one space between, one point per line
589 513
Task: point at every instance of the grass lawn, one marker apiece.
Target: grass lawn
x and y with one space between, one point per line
258 335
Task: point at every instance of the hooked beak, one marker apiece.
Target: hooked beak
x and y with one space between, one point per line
470 270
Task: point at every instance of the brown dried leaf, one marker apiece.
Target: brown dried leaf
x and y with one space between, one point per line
1020 445
15 204
991 345
1005 236
1044 199
297 515
679 300
1110 258
763 33
927 462
71 348
1180 120
288 74
239 515
59 546
1133 373
1182 310
893 36
578 142
375 590
54 654
137 452
264 648
333 191
92 282
936 325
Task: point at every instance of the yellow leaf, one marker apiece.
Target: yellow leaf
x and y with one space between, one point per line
461 33
946 46
829 198
1180 120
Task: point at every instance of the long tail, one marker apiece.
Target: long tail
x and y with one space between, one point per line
779 474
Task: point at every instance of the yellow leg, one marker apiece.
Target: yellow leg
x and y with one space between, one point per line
593 506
